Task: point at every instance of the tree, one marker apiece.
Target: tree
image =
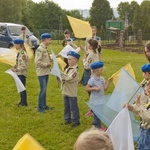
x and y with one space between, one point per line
100 12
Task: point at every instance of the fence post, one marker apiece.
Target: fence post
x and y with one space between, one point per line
139 37
122 39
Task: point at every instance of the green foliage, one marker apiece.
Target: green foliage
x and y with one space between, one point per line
47 128
100 12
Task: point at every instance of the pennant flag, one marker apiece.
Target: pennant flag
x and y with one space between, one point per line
81 29
67 49
61 63
27 142
106 108
128 68
120 131
55 70
8 56
20 86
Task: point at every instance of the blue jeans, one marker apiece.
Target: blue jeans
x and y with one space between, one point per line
43 80
86 76
96 122
71 106
144 140
23 94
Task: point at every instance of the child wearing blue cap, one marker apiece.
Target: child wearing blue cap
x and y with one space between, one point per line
43 66
97 85
70 84
21 68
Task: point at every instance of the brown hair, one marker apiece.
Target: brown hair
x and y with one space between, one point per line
94 27
147 46
66 31
93 139
94 44
23 28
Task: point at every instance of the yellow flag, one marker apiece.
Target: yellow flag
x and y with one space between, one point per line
27 142
9 57
61 63
81 29
128 68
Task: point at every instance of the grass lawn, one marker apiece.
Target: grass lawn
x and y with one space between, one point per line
47 128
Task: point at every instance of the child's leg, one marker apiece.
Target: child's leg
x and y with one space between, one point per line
144 140
75 110
67 112
96 122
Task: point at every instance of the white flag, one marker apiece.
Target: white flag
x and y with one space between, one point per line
20 86
120 131
67 49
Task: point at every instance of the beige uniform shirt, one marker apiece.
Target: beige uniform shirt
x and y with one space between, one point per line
145 115
71 43
70 78
42 59
22 63
89 59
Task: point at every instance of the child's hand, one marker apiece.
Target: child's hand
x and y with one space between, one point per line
130 107
110 79
137 102
97 89
14 69
82 48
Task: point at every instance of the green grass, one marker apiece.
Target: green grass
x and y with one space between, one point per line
47 128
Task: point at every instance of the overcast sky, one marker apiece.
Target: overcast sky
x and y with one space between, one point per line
84 4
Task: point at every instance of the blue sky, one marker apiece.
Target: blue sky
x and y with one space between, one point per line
84 4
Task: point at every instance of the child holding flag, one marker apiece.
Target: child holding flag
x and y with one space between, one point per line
21 68
97 85
142 108
70 79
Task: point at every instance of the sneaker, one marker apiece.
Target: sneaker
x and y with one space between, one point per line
21 104
48 108
89 113
69 122
75 125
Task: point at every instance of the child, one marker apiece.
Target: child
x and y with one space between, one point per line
141 107
70 79
93 139
147 50
88 59
67 41
21 68
43 67
97 85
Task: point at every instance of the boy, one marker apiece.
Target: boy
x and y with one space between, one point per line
97 85
93 139
43 65
70 79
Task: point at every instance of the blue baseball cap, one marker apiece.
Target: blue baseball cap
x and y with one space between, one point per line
18 41
45 35
145 68
74 54
97 64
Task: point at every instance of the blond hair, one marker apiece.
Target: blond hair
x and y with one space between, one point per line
93 139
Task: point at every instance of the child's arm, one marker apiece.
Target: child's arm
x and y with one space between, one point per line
88 88
106 85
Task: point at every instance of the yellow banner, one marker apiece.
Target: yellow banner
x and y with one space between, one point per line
128 68
81 29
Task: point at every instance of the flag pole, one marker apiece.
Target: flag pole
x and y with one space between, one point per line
141 85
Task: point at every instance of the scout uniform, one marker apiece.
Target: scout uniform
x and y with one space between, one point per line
70 83
144 112
96 95
22 68
42 61
87 61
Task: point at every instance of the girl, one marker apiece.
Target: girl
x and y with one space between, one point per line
21 68
89 57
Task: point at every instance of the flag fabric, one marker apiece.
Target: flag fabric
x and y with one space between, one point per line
67 49
19 85
81 29
120 131
107 107
27 142
55 70
8 56
61 63
128 68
